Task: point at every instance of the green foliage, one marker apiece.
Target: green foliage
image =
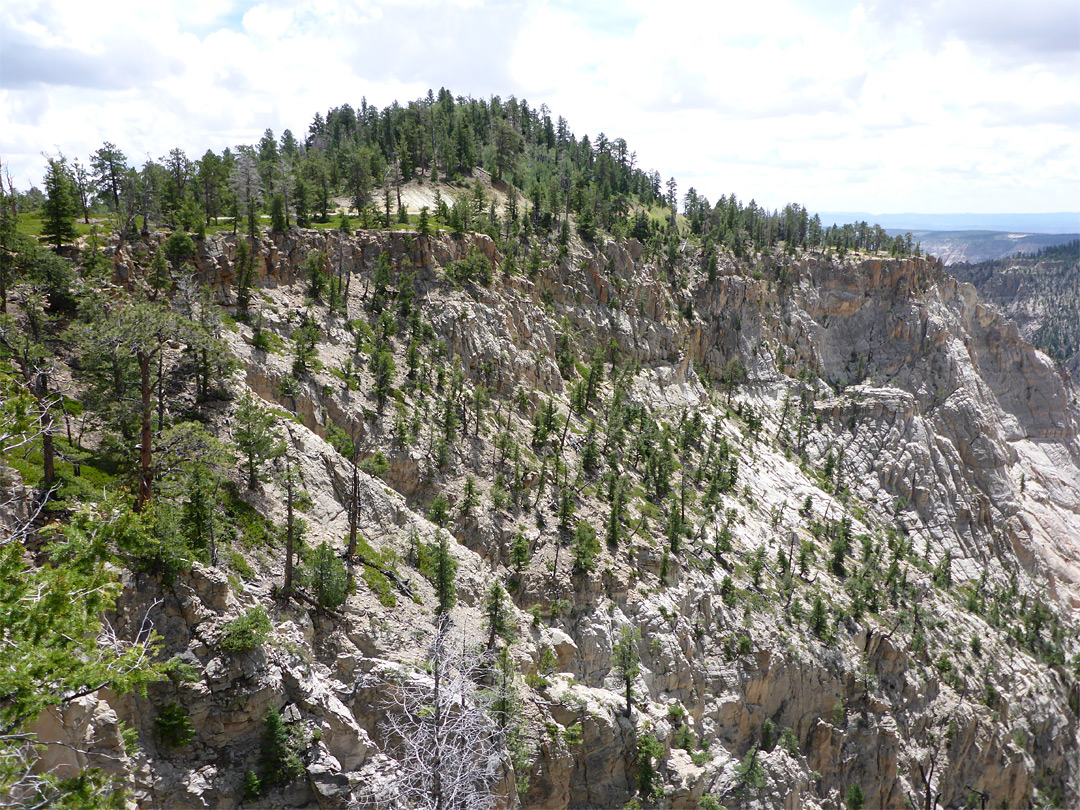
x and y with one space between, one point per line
383 370
839 546
181 672
649 751
943 571
373 577
59 209
497 614
437 566
245 275
376 466
474 268
750 774
439 511
768 735
305 338
625 661
789 742
469 499
158 275
174 726
519 551
727 591
247 631
853 799
585 549
252 786
257 437
572 735
445 572
50 621
179 248
283 748
278 220
819 621
325 574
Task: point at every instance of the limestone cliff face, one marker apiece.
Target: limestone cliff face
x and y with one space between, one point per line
877 394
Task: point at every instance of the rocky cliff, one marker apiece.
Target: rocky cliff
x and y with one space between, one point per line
837 500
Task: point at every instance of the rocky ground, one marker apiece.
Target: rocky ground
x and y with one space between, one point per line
876 481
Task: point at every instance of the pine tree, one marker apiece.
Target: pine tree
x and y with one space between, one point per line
325 574
445 572
585 549
497 615
59 209
625 661
257 437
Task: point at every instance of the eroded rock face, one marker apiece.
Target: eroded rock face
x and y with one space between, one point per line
949 436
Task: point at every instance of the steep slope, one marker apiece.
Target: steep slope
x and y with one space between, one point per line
1039 292
837 500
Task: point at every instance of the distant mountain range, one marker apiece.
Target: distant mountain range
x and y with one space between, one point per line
1055 223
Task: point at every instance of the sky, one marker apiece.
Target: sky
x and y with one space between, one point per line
881 106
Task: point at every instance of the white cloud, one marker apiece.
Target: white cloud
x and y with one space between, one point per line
841 105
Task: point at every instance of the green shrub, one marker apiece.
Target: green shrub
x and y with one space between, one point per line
180 671
585 549
854 798
282 749
572 735
373 577
247 631
130 737
174 726
768 735
252 786
750 774
789 742
325 574
439 513
649 749
475 267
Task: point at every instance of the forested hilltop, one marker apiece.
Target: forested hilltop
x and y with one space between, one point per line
363 157
442 460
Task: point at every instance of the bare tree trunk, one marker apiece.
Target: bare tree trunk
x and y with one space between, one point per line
47 450
437 672
161 392
354 509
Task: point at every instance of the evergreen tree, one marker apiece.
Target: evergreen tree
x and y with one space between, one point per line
59 209
445 572
132 336
497 615
625 661
256 436
325 574
585 549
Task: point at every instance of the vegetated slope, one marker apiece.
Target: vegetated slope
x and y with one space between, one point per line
1040 292
956 247
837 502
552 498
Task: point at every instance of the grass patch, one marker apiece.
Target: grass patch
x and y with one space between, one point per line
252 529
374 578
97 472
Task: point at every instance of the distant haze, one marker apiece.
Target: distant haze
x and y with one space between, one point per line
1067 222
